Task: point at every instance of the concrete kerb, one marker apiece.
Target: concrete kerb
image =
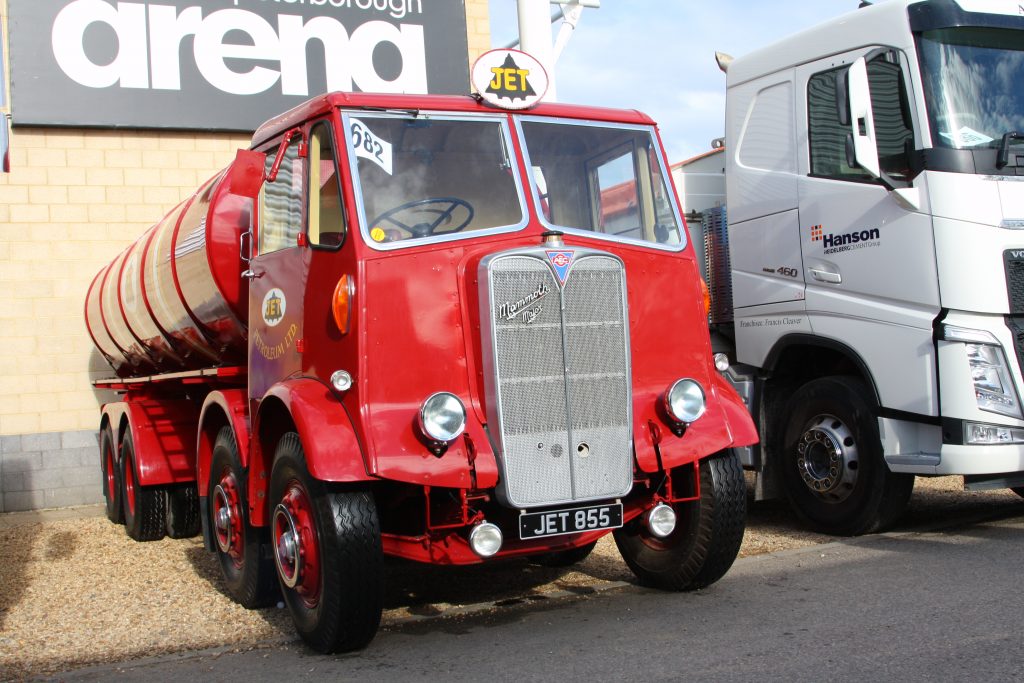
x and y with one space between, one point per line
13 519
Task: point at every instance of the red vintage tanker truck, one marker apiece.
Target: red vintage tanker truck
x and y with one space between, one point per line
422 327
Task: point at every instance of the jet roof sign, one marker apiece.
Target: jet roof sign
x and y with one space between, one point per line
509 79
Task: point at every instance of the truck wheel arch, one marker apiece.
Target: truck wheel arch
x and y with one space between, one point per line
162 432
814 357
221 408
309 408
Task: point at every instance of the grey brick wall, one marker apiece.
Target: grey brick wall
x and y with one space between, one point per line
39 471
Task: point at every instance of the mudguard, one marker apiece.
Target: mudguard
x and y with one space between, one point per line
227 406
725 424
163 434
333 452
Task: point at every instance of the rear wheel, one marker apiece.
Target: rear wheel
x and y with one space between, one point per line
144 506
832 465
241 548
183 517
111 477
707 536
327 549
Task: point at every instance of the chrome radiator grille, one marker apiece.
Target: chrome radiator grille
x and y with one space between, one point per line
557 376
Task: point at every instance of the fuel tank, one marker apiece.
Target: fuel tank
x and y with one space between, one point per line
176 299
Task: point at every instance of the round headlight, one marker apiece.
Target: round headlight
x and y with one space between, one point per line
661 520
685 401
442 417
485 539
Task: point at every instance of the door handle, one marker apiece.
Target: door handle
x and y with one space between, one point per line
826 276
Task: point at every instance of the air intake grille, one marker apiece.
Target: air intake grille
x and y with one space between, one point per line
1016 325
1014 280
558 377
718 270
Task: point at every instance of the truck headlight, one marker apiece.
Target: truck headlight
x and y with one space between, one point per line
992 384
442 418
684 401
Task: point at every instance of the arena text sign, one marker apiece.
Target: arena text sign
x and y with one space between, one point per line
191 51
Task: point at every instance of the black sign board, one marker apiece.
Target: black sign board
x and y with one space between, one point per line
222 64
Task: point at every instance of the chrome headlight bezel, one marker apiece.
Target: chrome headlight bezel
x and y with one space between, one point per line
685 401
442 417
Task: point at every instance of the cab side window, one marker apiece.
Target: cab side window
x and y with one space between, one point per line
326 216
828 130
281 201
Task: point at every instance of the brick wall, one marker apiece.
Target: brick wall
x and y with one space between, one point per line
73 201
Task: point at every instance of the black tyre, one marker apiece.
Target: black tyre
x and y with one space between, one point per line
327 549
706 538
564 558
183 517
242 549
831 463
144 506
111 473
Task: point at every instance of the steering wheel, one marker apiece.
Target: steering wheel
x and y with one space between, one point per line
438 212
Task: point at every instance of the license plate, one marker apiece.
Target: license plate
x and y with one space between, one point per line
572 521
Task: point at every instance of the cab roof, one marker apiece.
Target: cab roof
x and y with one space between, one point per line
457 104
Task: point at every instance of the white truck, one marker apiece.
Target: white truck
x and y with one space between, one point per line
868 283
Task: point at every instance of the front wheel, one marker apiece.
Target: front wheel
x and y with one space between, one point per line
707 536
327 549
832 466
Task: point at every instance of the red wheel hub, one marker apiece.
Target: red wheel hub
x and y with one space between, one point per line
227 518
296 549
129 484
108 457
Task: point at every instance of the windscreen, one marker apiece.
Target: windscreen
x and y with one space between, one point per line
973 84
602 179
422 178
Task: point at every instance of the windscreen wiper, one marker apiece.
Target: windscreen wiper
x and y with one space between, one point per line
1004 148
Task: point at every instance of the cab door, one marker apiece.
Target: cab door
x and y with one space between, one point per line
868 254
279 268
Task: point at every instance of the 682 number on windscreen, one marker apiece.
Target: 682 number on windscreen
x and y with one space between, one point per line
367 145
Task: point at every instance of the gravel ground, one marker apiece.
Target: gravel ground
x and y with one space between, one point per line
75 590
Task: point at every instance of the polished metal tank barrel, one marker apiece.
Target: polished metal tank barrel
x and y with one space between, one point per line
175 299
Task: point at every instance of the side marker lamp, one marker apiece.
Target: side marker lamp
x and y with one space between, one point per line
721 362
705 297
341 303
341 381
